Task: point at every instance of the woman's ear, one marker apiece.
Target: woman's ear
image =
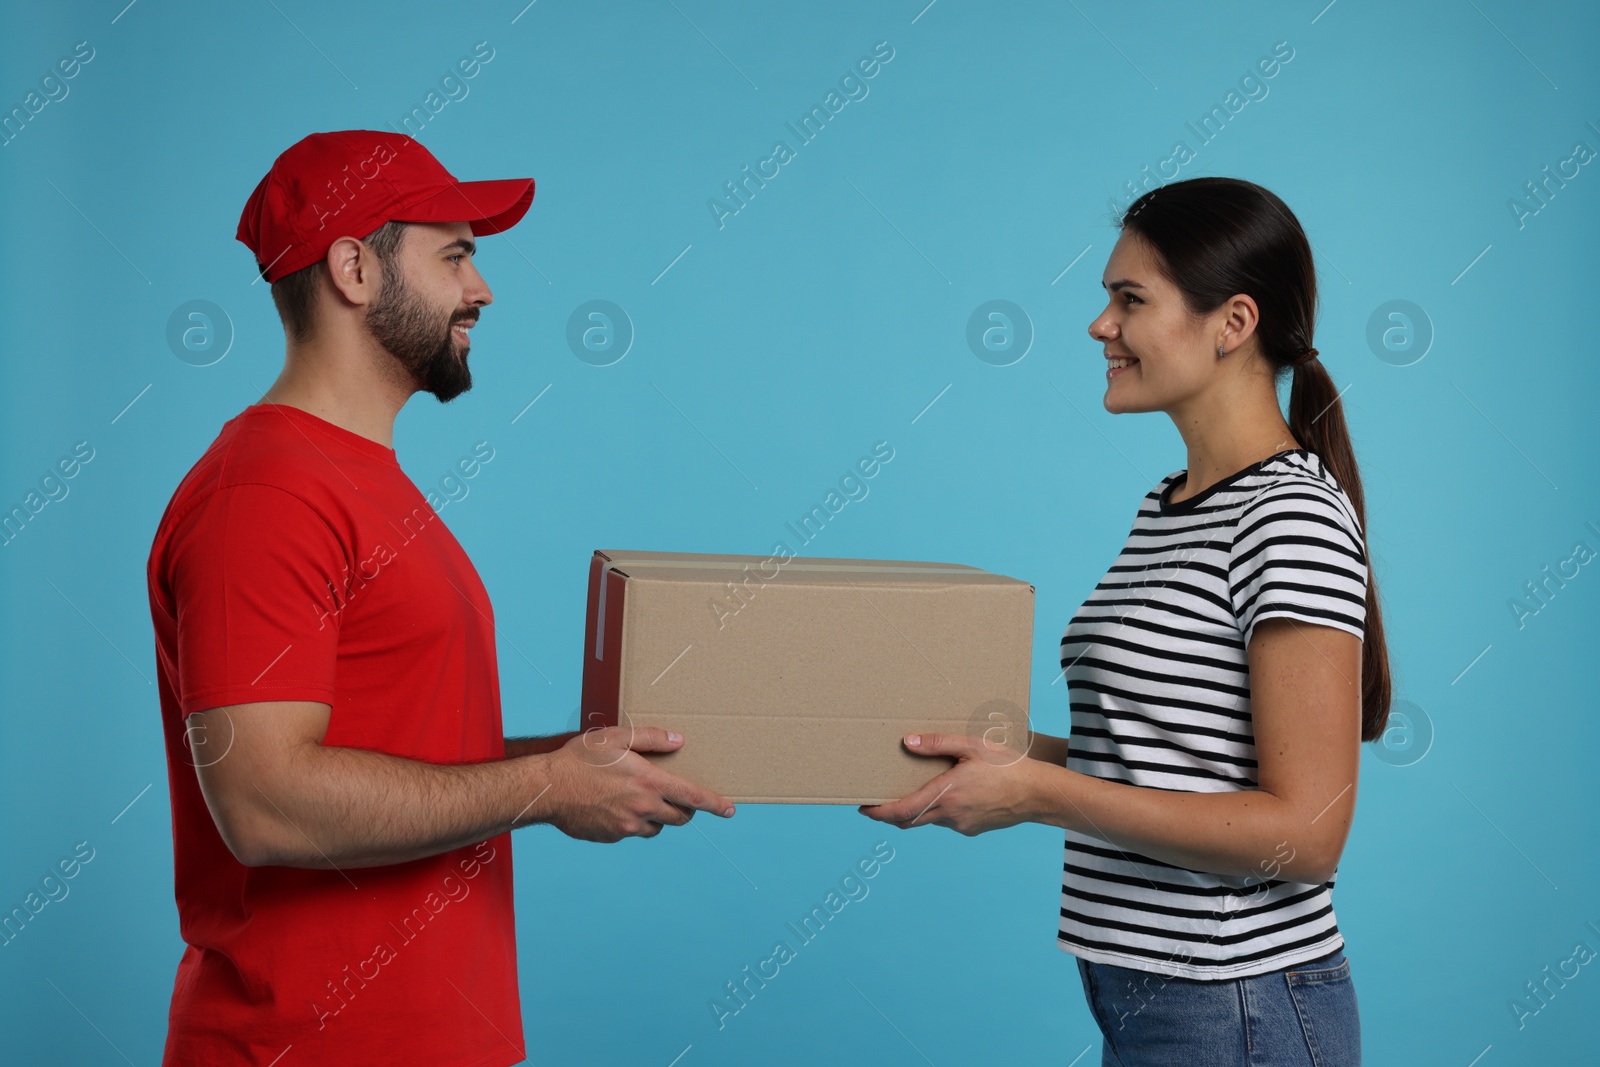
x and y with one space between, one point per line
1239 318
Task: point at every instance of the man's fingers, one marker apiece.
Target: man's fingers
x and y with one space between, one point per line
681 791
633 738
653 738
674 814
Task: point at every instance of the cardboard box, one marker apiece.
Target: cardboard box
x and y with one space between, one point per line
794 679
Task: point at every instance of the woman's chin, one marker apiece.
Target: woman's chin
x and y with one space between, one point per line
1120 405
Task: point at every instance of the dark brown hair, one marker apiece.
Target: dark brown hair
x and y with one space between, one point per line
296 294
1218 237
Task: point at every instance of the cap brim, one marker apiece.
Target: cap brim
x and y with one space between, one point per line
490 206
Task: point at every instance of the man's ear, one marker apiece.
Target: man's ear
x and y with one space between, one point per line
354 270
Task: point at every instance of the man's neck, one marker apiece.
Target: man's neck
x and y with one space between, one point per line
350 393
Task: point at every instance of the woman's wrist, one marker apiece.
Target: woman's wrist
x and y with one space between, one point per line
1049 793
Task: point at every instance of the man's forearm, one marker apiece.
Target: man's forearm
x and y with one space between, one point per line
345 807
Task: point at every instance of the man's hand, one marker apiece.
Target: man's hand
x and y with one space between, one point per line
601 789
989 788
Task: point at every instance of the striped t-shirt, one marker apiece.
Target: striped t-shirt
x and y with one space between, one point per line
1159 687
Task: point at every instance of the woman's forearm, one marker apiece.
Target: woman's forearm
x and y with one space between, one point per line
1247 832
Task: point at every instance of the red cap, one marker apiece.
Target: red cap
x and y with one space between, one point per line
347 183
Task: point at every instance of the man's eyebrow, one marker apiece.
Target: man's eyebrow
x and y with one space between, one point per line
465 244
1121 283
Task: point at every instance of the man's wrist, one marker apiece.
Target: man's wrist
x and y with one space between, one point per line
544 787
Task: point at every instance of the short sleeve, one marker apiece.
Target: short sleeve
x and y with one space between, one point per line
1298 553
257 580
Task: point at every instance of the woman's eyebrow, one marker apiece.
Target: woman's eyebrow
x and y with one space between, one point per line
1121 283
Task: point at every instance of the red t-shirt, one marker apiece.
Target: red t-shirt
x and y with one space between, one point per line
296 561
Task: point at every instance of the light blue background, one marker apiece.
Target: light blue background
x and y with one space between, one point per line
826 316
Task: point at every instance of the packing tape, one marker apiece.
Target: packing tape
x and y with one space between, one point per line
622 562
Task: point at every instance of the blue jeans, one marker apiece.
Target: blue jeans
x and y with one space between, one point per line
1301 1015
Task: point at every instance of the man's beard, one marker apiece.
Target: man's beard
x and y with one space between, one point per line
409 330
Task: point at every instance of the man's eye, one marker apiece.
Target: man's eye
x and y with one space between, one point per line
455 257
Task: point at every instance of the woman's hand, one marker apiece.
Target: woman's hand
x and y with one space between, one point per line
990 787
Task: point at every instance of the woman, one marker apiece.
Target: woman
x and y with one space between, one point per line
1218 680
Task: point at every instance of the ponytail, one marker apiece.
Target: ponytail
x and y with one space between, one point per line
1217 237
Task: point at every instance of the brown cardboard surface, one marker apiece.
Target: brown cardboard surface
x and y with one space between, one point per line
793 680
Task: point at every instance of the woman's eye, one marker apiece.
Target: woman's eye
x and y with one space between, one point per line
1130 298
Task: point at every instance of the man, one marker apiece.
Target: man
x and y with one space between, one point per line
342 793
